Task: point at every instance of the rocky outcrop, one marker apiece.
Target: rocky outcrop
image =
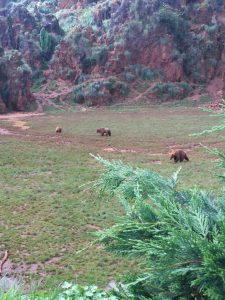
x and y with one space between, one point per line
183 41
66 62
171 48
68 4
15 82
25 50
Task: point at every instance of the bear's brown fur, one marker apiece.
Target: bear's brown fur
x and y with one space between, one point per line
58 129
178 155
104 131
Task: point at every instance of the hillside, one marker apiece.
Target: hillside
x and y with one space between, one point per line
92 52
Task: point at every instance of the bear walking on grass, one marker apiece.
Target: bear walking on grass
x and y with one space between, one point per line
58 129
178 155
104 131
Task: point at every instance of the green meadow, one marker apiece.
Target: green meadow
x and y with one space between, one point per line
49 210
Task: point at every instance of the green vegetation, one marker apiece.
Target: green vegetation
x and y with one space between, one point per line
141 72
99 91
31 106
80 18
48 6
189 102
98 56
23 69
172 90
47 43
5 92
67 291
176 23
37 84
178 235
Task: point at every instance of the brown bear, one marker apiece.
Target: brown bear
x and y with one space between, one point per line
178 155
104 131
58 129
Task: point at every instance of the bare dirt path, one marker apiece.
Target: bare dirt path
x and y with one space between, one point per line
48 95
142 95
18 115
15 118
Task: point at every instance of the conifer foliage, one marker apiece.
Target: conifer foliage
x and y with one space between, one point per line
178 236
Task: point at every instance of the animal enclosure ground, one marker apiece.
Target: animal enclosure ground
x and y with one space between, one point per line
48 214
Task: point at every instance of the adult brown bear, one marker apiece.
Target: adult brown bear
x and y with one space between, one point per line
58 129
104 131
178 155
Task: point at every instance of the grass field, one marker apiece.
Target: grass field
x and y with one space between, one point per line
47 211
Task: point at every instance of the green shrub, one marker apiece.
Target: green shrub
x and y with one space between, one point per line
87 63
37 84
211 29
24 68
127 54
75 291
170 90
98 55
86 16
191 64
166 90
99 91
175 22
67 291
187 89
47 43
78 96
142 72
128 76
77 20
5 93
205 98
134 27
178 236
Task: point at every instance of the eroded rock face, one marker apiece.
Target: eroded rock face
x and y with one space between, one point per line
182 41
15 82
67 4
154 54
23 51
65 63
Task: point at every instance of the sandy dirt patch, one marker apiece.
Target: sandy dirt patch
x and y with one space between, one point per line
4 131
21 124
13 117
187 147
93 226
19 115
11 269
119 150
156 162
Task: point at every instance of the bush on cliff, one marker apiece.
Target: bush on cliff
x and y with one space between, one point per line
99 92
47 43
170 90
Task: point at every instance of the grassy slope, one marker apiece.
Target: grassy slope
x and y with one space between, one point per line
46 214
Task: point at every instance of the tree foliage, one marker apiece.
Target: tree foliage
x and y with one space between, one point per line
179 236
